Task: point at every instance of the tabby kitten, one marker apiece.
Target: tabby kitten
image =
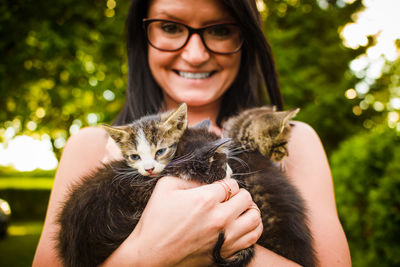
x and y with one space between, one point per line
260 136
261 129
103 209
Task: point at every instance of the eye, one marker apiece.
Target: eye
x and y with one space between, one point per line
161 151
171 28
279 144
134 157
220 31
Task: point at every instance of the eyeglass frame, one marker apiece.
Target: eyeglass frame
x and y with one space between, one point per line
199 31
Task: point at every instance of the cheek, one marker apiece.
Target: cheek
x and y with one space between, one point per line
159 167
230 64
159 60
135 165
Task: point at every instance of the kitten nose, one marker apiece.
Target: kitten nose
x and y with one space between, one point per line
149 170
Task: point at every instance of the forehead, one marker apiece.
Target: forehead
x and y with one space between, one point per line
149 130
195 13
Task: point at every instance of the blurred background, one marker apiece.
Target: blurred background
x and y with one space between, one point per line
63 67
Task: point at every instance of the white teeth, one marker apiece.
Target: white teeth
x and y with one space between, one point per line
192 75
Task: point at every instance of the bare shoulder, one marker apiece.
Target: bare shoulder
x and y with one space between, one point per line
307 166
83 152
302 136
306 151
88 140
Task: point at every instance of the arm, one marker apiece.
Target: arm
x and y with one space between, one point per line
308 168
82 153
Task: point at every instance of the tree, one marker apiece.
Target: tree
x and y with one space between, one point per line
366 169
313 63
63 64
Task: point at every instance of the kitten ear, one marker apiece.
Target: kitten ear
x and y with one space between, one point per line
116 132
176 119
290 114
286 116
204 124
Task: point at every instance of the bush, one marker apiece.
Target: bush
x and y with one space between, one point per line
366 171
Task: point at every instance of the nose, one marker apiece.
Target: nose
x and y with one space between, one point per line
150 170
194 52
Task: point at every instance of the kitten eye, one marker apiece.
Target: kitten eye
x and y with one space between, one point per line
279 144
161 151
134 157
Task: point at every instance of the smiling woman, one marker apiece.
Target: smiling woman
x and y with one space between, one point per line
221 64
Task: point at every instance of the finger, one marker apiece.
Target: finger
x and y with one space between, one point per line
226 189
248 234
244 224
238 204
218 191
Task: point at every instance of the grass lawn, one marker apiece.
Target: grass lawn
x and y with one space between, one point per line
18 247
26 182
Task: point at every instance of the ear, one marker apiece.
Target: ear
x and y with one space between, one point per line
290 114
176 119
285 116
204 124
116 132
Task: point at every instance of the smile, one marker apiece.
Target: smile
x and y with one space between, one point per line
193 75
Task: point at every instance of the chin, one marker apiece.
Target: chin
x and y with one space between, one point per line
197 100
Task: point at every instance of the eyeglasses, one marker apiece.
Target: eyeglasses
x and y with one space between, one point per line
166 35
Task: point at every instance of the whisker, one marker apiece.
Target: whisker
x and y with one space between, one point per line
245 173
240 161
179 160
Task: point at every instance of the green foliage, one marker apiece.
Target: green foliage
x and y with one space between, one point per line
385 92
366 171
60 62
65 65
313 64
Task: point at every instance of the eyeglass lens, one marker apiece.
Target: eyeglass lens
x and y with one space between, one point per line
171 36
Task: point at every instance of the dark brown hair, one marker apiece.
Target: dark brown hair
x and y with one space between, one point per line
256 74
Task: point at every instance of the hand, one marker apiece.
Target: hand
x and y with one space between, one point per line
182 221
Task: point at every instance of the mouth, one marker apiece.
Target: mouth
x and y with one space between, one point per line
149 174
195 75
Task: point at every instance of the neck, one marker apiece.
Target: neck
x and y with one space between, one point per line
197 114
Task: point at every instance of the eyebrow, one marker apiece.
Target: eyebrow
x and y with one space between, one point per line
210 22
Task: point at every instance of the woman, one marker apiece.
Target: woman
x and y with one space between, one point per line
177 54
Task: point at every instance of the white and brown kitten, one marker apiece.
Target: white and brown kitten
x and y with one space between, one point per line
104 207
149 143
